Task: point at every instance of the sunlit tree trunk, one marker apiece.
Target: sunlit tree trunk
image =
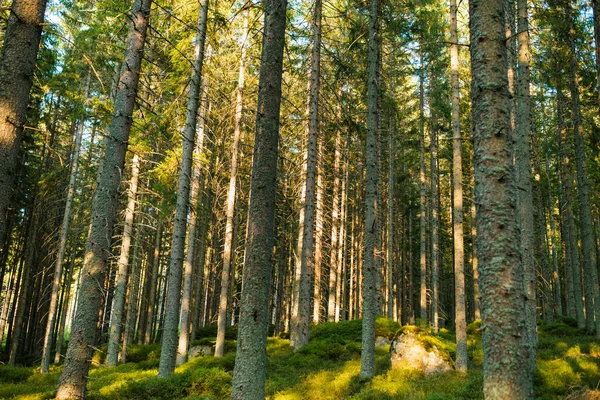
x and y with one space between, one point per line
422 200
74 374
112 354
369 295
506 376
169 351
250 361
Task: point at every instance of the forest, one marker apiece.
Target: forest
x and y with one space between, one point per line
300 199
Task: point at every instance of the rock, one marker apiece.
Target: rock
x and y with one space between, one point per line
408 350
199 351
382 341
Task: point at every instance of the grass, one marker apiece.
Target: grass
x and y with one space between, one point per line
327 368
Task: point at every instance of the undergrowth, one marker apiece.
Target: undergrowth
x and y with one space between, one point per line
327 368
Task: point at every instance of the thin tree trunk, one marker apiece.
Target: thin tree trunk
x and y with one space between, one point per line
503 307
169 351
335 217
588 238
300 324
112 354
525 211
367 359
250 361
435 229
390 220
457 200
422 199
17 65
74 375
62 242
231 197
60 336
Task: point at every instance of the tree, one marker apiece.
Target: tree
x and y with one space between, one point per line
74 374
168 353
250 359
501 282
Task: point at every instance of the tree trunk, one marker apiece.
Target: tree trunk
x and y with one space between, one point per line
112 354
231 196
300 324
503 307
367 359
74 375
60 336
169 352
250 361
525 211
62 242
422 199
435 228
588 238
17 65
457 200
335 218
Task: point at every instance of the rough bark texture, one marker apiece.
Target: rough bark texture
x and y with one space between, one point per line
522 150
17 63
596 13
112 354
435 229
168 352
369 295
506 376
62 243
251 358
422 201
586 226
300 327
74 375
228 248
457 198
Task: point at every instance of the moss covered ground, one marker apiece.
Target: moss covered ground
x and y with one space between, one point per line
328 368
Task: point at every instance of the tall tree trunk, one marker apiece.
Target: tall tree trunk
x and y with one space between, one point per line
566 194
596 14
503 307
588 238
60 336
250 360
525 211
390 220
62 241
335 218
367 359
17 64
114 339
74 375
169 351
151 282
300 324
457 200
231 196
422 199
435 227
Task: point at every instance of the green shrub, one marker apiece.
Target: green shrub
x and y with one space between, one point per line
386 327
10 374
214 382
474 328
154 388
143 352
210 331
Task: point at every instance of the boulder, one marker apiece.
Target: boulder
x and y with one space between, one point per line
199 351
407 350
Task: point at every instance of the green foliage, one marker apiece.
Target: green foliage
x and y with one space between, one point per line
474 328
210 331
143 352
215 382
10 374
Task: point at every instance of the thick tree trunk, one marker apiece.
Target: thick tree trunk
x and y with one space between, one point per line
17 64
525 211
169 351
74 375
114 339
62 242
300 324
231 197
503 306
457 200
367 359
588 237
250 361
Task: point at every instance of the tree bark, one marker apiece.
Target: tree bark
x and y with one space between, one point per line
17 65
503 307
457 200
300 325
231 197
250 361
169 352
114 339
74 375
367 359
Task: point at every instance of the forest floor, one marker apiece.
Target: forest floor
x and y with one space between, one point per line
327 368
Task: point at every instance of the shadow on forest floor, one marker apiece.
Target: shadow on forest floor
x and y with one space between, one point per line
327 368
